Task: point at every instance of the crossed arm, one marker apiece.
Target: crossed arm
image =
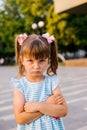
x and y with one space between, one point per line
55 106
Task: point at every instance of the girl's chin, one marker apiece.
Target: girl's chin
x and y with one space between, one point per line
36 73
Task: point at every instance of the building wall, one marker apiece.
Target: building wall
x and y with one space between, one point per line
70 5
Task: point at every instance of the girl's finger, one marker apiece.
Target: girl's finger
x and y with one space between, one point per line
61 100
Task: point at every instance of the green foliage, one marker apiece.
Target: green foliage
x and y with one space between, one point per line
34 11
78 26
17 16
11 23
69 29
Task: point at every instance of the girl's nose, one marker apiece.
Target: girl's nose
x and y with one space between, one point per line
36 65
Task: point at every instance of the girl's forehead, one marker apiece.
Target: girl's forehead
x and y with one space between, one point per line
33 58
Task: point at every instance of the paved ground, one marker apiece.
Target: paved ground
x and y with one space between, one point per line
73 82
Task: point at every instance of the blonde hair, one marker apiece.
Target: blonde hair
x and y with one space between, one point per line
37 47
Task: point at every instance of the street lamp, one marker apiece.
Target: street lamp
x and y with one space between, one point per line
34 26
38 26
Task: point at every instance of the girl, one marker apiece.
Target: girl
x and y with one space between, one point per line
38 101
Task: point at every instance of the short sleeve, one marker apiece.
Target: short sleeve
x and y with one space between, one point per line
17 83
54 81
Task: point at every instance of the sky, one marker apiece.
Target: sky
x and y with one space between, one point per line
1 1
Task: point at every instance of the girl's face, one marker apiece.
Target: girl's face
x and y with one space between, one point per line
35 67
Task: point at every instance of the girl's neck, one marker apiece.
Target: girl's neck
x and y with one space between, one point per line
35 78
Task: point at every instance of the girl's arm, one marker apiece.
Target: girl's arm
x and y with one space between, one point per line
58 109
55 110
20 115
23 117
57 91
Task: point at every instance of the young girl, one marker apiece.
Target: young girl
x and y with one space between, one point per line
38 101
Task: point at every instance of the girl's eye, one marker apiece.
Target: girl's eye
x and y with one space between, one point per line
42 60
30 60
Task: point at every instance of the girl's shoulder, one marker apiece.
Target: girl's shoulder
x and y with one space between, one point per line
54 81
53 78
18 82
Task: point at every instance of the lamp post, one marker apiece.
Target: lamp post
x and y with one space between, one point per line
38 26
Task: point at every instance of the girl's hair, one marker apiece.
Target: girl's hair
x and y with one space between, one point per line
37 46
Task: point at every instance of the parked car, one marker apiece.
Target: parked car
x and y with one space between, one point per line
80 54
73 55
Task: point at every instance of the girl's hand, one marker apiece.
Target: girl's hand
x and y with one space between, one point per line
51 99
31 106
56 99
59 99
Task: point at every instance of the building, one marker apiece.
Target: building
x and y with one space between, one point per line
70 6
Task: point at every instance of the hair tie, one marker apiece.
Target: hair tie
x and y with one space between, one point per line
49 38
21 38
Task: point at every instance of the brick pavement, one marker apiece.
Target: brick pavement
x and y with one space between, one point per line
73 82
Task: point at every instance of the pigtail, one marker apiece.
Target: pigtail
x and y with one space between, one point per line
17 50
18 59
53 65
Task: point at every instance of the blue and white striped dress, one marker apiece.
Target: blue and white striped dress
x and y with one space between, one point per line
39 91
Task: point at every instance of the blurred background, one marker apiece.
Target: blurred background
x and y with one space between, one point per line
67 21
67 24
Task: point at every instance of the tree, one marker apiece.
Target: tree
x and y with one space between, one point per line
17 16
69 29
34 11
11 23
79 22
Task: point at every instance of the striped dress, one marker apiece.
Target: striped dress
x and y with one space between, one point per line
39 91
